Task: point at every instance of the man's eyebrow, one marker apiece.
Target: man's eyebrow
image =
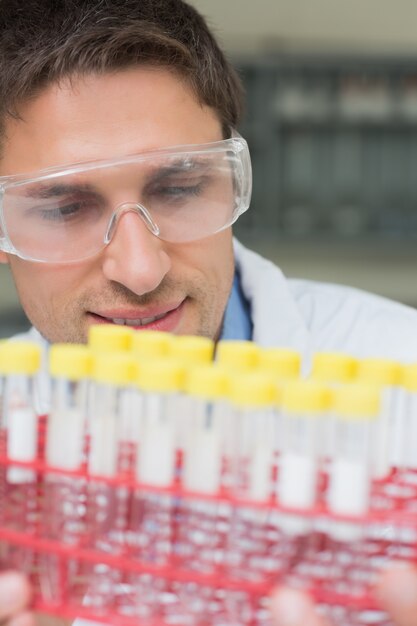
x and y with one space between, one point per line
182 166
50 190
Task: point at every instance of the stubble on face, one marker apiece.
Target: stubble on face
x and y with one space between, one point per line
68 321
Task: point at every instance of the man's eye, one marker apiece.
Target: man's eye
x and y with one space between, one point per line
61 213
177 188
64 210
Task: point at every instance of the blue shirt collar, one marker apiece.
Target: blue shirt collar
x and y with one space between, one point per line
237 322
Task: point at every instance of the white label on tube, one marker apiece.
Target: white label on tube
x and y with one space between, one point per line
157 455
297 480
65 439
130 412
103 446
21 443
384 435
260 472
203 463
394 402
349 487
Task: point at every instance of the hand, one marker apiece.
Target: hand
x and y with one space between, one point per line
15 596
397 594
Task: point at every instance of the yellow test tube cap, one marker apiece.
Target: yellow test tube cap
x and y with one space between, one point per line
150 343
114 368
192 349
70 360
240 355
110 337
357 401
409 379
166 375
19 357
281 362
380 372
207 381
306 397
252 390
333 367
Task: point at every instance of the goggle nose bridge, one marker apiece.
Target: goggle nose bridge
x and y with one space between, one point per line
128 207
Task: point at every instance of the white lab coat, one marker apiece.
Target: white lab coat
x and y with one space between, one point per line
311 316
308 316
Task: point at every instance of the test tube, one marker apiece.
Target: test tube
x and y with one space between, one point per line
108 504
356 408
192 349
151 344
64 501
253 397
254 547
191 352
110 337
207 387
283 363
146 345
333 369
389 432
408 468
305 404
19 362
152 519
203 524
406 536
237 355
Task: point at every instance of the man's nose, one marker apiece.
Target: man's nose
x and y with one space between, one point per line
134 256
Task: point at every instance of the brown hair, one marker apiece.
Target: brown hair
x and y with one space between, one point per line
46 41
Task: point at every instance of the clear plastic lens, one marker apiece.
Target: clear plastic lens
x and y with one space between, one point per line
180 195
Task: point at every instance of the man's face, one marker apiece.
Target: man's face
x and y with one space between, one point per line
137 276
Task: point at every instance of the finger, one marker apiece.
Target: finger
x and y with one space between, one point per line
15 594
294 608
396 591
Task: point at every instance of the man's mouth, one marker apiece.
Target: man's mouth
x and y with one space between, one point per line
140 321
161 318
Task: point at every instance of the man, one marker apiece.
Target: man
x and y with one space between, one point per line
123 176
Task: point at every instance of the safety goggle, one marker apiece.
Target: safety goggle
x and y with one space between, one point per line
182 194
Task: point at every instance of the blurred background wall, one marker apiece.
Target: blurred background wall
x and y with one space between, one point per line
332 125
358 25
